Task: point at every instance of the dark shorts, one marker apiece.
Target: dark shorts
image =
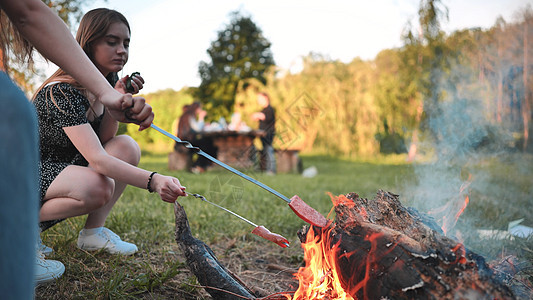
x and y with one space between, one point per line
48 173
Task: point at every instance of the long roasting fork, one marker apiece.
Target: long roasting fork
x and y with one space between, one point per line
298 206
261 231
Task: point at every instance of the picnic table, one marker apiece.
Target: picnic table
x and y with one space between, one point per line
235 148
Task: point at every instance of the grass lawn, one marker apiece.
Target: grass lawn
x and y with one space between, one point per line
158 271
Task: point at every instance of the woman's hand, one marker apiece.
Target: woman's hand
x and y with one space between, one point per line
169 188
127 109
137 83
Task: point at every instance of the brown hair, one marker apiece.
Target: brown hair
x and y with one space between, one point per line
93 26
12 42
184 127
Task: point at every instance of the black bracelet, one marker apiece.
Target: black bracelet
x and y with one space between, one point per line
148 185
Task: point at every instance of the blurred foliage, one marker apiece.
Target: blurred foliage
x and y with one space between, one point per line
432 58
167 106
340 108
70 11
363 108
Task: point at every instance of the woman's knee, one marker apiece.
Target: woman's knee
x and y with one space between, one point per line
125 148
93 190
99 191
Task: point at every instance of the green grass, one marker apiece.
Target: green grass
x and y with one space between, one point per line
158 271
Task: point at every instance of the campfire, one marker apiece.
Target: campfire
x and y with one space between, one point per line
373 249
377 249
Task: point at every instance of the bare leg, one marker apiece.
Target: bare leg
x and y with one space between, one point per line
81 190
126 149
76 191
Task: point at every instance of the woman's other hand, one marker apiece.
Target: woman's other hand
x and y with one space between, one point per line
169 188
137 83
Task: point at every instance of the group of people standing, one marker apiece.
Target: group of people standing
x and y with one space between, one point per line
192 123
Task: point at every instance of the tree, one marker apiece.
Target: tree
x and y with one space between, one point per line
396 97
240 52
431 13
526 106
425 58
69 11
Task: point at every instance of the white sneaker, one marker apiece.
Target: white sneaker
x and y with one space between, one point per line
47 270
43 248
105 239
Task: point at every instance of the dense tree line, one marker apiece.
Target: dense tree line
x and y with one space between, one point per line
389 102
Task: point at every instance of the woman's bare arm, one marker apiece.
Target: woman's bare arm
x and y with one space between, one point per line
87 142
108 128
51 37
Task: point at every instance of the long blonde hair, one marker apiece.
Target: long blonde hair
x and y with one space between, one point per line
93 26
13 44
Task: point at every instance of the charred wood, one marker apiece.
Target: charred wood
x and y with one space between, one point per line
387 251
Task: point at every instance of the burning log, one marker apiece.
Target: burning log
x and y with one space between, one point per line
378 249
219 282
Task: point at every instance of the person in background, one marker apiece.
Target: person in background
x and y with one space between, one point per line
190 125
267 123
84 166
25 25
191 122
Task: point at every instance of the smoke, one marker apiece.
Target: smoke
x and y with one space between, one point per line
460 137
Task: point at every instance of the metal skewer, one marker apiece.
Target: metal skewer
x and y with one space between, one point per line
300 208
258 230
223 208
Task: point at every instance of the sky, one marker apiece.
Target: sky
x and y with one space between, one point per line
169 38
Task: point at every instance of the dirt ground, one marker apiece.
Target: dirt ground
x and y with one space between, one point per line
267 271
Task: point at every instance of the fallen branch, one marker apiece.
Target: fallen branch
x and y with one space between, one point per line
219 282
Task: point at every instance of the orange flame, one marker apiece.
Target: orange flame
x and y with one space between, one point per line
462 209
324 278
341 199
459 251
320 278
449 223
450 212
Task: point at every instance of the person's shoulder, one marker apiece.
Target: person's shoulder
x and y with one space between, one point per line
62 94
64 90
62 86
